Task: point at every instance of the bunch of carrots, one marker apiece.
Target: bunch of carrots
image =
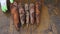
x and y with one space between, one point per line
25 14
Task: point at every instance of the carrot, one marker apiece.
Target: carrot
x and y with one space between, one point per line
31 9
15 14
22 14
27 13
37 13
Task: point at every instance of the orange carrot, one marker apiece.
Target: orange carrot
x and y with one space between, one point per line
15 14
37 13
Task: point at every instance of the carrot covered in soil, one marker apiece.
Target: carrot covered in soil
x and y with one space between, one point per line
22 14
31 9
37 13
15 15
27 13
